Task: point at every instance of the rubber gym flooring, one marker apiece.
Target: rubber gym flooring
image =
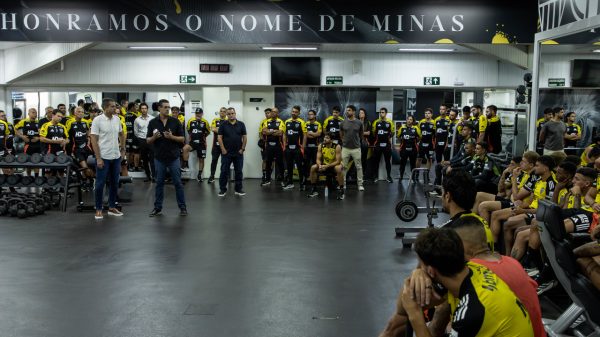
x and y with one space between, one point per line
272 263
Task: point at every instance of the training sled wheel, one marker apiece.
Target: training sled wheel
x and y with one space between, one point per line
407 211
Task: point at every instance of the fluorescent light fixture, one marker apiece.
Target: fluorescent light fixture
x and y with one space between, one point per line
156 47
428 50
289 48
596 51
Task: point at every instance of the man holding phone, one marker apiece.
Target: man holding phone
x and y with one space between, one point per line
166 135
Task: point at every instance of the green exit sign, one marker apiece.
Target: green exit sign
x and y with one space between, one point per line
431 81
556 82
334 80
187 79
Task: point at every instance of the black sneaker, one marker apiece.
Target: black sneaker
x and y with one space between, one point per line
313 193
222 193
183 212
389 179
340 194
288 186
211 180
155 212
241 193
199 178
302 187
265 183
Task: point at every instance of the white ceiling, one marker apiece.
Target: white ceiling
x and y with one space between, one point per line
8 45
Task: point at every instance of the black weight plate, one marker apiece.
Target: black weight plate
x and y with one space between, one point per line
49 158
63 158
53 181
27 180
407 211
36 158
2 178
39 181
22 158
9 158
13 179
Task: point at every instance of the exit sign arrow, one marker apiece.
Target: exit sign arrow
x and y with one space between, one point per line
431 81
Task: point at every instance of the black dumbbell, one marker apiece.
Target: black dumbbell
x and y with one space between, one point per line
30 207
13 207
3 207
9 158
2 178
40 180
49 158
27 180
36 158
22 158
63 158
52 181
13 179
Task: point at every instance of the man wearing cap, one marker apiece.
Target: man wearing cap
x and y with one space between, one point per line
198 129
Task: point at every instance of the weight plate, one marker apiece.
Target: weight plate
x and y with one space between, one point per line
2 178
13 179
53 181
49 158
27 180
9 158
36 158
22 158
63 158
39 181
407 211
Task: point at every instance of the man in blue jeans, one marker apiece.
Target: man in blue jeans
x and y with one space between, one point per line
166 135
232 139
108 142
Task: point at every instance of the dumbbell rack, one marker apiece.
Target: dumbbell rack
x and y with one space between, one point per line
56 166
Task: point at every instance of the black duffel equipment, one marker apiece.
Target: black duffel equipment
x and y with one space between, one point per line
22 158
49 158
36 158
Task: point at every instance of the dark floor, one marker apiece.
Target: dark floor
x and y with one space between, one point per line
272 263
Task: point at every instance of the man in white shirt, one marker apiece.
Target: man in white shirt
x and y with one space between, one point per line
140 129
108 142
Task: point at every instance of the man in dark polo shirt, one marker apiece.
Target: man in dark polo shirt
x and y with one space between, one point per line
232 139
166 135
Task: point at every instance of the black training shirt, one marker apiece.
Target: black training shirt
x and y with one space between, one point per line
166 150
232 135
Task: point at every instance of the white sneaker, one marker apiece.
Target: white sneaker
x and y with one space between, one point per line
361 188
115 212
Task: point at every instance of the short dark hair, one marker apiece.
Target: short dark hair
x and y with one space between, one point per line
569 114
468 125
547 161
130 106
517 159
548 111
477 106
573 159
429 110
461 187
588 172
61 104
531 156
336 108
557 109
362 109
351 107
268 110
56 111
124 100
568 167
162 101
296 107
476 229
442 249
484 145
466 108
313 111
493 108
80 101
384 109
143 104
594 152
106 102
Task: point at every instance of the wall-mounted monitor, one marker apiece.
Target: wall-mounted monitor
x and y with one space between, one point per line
585 74
295 70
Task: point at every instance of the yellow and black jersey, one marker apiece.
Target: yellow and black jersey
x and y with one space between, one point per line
542 189
54 132
442 124
215 124
409 137
486 306
129 120
488 232
328 154
383 130
573 129
597 200
313 127
28 127
331 126
4 133
539 124
11 136
260 128
198 129
78 133
571 200
272 125
427 128
584 158
463 121
181 118
295 129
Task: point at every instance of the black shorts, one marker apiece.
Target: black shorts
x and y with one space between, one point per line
200 149
581 218
504 203
529 217
328 172
82 154
131 144
31 148
426 150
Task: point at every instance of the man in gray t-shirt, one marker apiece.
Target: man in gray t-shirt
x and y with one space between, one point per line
351 130
552 135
